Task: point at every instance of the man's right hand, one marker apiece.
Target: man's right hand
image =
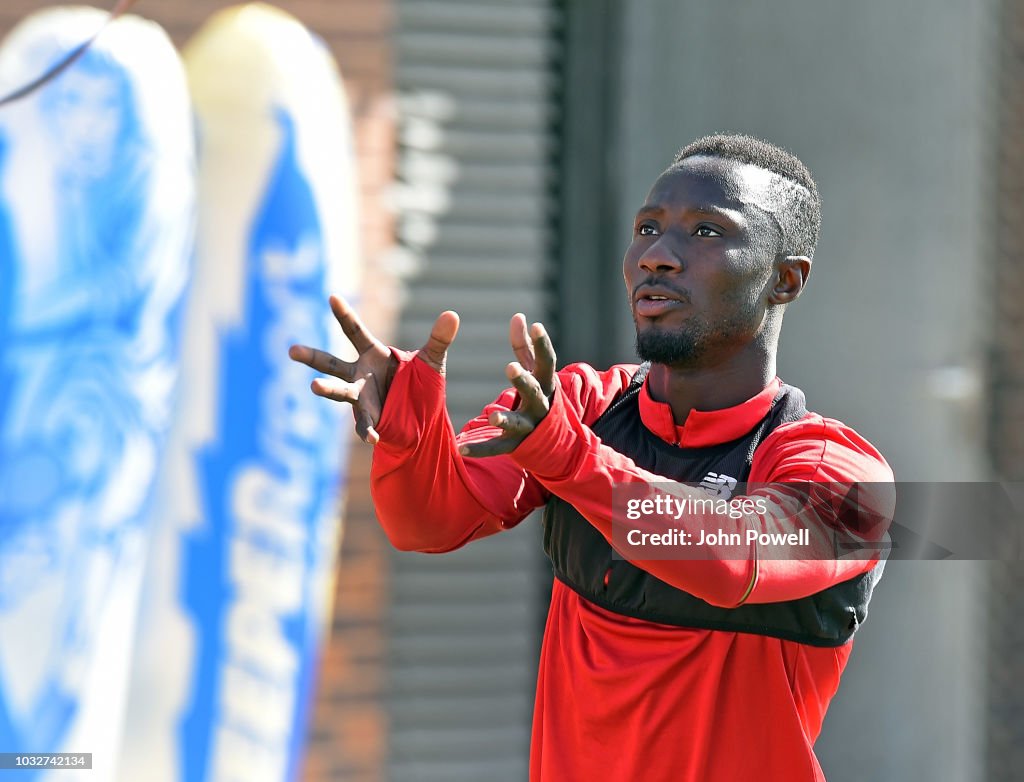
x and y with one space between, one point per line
364 383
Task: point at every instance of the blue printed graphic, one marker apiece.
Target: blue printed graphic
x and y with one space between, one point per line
269 488
91 281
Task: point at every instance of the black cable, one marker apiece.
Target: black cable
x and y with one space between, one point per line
120 8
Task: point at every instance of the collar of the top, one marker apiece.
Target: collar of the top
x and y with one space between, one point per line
706 427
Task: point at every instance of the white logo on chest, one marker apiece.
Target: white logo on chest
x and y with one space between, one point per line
718 485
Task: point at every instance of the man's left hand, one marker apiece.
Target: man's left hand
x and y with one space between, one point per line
533 377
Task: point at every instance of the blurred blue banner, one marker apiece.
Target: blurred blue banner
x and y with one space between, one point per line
239 582
96 232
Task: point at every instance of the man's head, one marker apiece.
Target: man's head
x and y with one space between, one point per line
792 197
723 242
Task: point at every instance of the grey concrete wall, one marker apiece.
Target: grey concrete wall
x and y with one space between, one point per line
891 106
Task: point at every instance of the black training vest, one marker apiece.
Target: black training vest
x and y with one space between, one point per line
583 559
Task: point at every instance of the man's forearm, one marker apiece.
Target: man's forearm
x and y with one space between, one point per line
427 497
570 461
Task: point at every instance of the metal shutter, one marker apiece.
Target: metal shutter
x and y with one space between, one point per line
475 81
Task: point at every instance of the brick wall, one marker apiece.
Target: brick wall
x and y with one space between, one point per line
348 733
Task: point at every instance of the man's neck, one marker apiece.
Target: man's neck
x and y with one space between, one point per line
728 384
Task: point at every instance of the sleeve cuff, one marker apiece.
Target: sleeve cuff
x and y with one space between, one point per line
552 450
415 397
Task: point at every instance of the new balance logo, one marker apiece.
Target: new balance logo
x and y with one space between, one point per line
718 485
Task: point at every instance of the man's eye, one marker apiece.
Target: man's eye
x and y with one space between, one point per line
646 229
706 230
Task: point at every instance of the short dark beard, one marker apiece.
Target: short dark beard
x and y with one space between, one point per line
696 342
674 348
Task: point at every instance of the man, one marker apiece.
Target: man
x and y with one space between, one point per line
680 668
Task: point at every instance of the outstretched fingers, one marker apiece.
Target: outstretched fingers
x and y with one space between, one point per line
511 423
322 361
518 337
363 383
534 400
365 410
364 427
350 323
515 427
435 350
496 446
544 370
338 391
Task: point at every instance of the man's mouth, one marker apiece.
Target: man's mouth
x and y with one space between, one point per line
656 306
652 302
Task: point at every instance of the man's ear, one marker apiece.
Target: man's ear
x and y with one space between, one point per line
791 273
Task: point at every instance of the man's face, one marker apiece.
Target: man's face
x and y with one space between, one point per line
699 267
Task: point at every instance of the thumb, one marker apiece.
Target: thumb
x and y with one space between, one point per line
442 335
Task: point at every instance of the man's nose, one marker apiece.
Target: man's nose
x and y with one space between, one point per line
661 257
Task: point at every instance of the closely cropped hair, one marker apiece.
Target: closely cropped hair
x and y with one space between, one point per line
799 205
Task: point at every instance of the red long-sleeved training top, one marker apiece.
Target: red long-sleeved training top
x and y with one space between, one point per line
621 698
